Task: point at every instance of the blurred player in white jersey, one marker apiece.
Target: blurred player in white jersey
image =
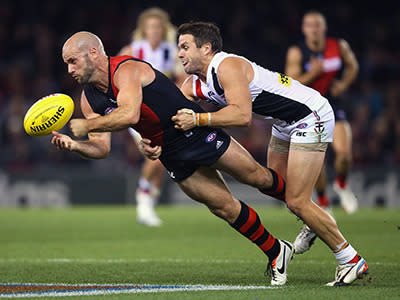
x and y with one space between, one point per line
153 41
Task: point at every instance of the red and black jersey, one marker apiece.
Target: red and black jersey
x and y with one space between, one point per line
332 63
161 100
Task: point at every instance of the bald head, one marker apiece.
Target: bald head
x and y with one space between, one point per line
316 15
84 42
314 26
85 56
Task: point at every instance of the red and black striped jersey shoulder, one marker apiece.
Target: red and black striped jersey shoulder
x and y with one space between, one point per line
161 100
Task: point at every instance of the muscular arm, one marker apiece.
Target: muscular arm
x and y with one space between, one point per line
294 69
129 79
339 86
187 89
97 146
234 75
350 64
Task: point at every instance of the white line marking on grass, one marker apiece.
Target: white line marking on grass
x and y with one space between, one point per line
112 261
167 260
60 290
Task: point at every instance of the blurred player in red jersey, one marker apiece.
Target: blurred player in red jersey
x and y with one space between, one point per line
153 40
329 66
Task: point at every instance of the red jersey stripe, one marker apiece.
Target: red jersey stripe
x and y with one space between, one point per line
141 54
199 92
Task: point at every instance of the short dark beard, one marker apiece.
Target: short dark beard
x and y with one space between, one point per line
88 71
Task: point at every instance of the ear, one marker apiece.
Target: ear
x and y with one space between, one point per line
92 52
206 49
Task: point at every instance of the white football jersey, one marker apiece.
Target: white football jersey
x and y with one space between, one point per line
163 58
274 95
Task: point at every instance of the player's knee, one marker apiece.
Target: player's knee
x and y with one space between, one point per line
343 158
295 205
261 179
343 155
219 212
256 177
224 211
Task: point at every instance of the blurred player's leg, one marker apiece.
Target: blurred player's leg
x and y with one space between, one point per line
304 240
343 151
148 192
149 187
320 188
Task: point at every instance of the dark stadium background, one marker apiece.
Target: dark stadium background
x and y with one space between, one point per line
33 32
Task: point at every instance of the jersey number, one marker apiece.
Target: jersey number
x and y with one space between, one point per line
283 79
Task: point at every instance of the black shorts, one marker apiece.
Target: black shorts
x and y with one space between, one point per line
336 103
340 115
202 146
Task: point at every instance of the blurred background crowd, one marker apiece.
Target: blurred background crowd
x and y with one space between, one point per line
32 34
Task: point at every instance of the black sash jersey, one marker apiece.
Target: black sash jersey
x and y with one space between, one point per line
332 62
161 100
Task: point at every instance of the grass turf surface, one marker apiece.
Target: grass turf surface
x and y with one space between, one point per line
105 245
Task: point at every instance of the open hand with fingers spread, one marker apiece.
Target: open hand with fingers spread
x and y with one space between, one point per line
62 141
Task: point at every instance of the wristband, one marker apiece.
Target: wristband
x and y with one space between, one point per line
202 119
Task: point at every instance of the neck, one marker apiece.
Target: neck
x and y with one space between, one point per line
203 72
316 45
100 78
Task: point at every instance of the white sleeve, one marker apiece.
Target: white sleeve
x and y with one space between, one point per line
136 135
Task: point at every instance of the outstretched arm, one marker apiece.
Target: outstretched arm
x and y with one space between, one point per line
129 80
98 144
234 76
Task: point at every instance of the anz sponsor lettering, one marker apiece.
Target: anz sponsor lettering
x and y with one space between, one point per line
50 122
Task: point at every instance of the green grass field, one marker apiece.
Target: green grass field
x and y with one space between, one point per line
105 245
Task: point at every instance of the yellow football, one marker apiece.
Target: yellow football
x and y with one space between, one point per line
48 114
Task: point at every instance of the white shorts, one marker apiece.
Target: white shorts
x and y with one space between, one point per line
317 127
